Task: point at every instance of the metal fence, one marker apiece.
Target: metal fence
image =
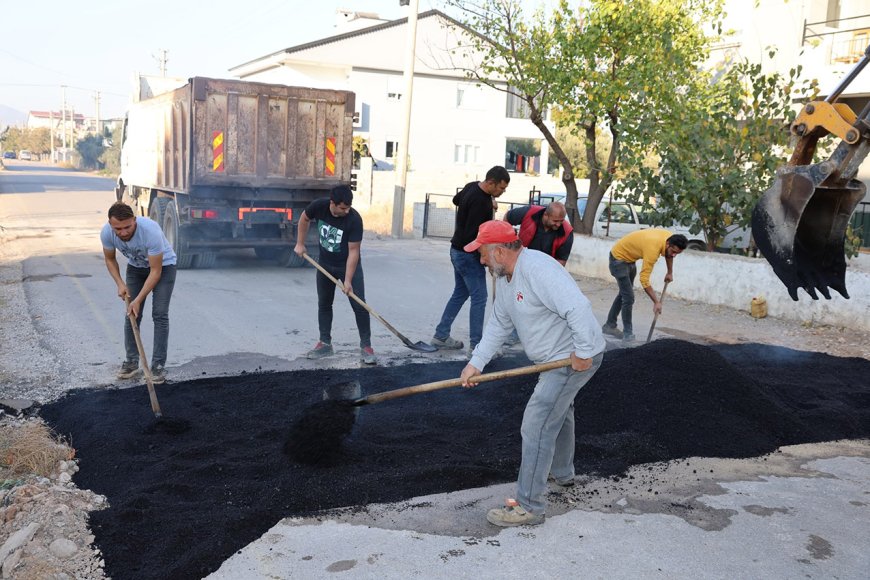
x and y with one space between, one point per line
861 223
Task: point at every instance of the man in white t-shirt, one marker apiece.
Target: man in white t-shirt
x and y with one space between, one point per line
150 270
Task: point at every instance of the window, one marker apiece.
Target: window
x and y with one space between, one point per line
621 214
469 96
392 149
466 152
517 108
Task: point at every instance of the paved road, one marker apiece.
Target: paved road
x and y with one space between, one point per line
804 512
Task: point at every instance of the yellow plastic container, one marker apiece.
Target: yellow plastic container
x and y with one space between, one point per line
758 307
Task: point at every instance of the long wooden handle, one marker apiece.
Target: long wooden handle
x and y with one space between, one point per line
656 315
149 379
437 385
359 300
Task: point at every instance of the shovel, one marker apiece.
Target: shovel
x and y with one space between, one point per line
656 316
149 380
437 385
419 345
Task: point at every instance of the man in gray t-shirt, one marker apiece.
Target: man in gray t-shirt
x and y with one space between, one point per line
538 297
150 270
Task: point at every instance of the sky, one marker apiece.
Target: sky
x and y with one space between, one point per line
97 45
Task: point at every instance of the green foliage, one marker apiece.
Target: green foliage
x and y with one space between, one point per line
853 242
110 158
34 140
621 68
90 148
719 150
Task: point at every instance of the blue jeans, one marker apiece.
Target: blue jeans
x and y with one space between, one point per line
624 272
548 433
161 294
469 281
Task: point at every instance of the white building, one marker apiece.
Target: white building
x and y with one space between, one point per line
457 126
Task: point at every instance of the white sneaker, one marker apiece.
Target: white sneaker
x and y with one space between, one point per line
513 515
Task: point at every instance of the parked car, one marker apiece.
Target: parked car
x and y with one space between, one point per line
9 155
25 155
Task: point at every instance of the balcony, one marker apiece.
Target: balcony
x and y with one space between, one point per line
843 40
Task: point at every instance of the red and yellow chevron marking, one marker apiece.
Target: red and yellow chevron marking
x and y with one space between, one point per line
330 156
217 147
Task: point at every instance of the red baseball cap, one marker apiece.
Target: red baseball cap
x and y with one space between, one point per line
492 232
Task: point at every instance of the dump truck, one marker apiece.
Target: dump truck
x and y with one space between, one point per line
232 164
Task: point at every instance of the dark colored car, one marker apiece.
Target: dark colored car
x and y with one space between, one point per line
8 155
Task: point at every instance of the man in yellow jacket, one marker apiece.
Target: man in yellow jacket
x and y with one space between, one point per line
647 245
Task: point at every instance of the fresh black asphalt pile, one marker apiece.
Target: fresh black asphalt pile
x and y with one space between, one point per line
182 503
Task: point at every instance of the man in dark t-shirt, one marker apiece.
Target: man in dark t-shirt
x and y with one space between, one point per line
339 232
475 205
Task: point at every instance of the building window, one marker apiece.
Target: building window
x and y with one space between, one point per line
466 152
517 108
392 149
469 96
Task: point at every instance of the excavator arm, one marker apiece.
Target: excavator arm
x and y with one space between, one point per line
799 224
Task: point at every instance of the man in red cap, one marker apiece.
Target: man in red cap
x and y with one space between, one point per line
538 297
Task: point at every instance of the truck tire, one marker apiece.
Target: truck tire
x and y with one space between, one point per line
696 246
287 258
175 235
157 209
205 260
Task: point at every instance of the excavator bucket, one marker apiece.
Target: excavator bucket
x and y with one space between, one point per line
799 224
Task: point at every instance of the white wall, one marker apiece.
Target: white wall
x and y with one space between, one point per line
733 281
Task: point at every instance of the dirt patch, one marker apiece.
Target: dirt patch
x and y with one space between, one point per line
197 497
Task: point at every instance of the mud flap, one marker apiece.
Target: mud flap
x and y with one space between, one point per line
800 229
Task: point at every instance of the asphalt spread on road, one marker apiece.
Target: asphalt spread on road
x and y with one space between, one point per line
181 503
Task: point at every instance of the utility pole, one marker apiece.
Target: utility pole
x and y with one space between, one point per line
402 161
51 131
97 99
63 120
162 60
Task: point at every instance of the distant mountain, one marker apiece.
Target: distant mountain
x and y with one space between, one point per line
10 116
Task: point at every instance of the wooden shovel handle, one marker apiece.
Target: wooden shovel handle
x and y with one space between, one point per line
149 380
437 385
656 315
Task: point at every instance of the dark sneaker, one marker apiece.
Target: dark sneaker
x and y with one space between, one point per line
158 374
513 515
128 370
320 350
448 343
611 330
367 355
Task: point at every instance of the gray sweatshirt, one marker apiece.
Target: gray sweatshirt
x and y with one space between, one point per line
543 302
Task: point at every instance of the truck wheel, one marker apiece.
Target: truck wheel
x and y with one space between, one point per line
205 260
696 246
287 258
158 209
175 234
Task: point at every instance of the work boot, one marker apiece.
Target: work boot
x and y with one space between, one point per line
158 374
128 370
513 515
611 330
448 343
320 350
628 339
367 355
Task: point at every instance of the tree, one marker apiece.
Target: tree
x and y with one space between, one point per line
90 148
721 151
610 64
111 155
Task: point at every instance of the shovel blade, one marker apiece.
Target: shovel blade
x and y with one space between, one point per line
342 391
800 228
